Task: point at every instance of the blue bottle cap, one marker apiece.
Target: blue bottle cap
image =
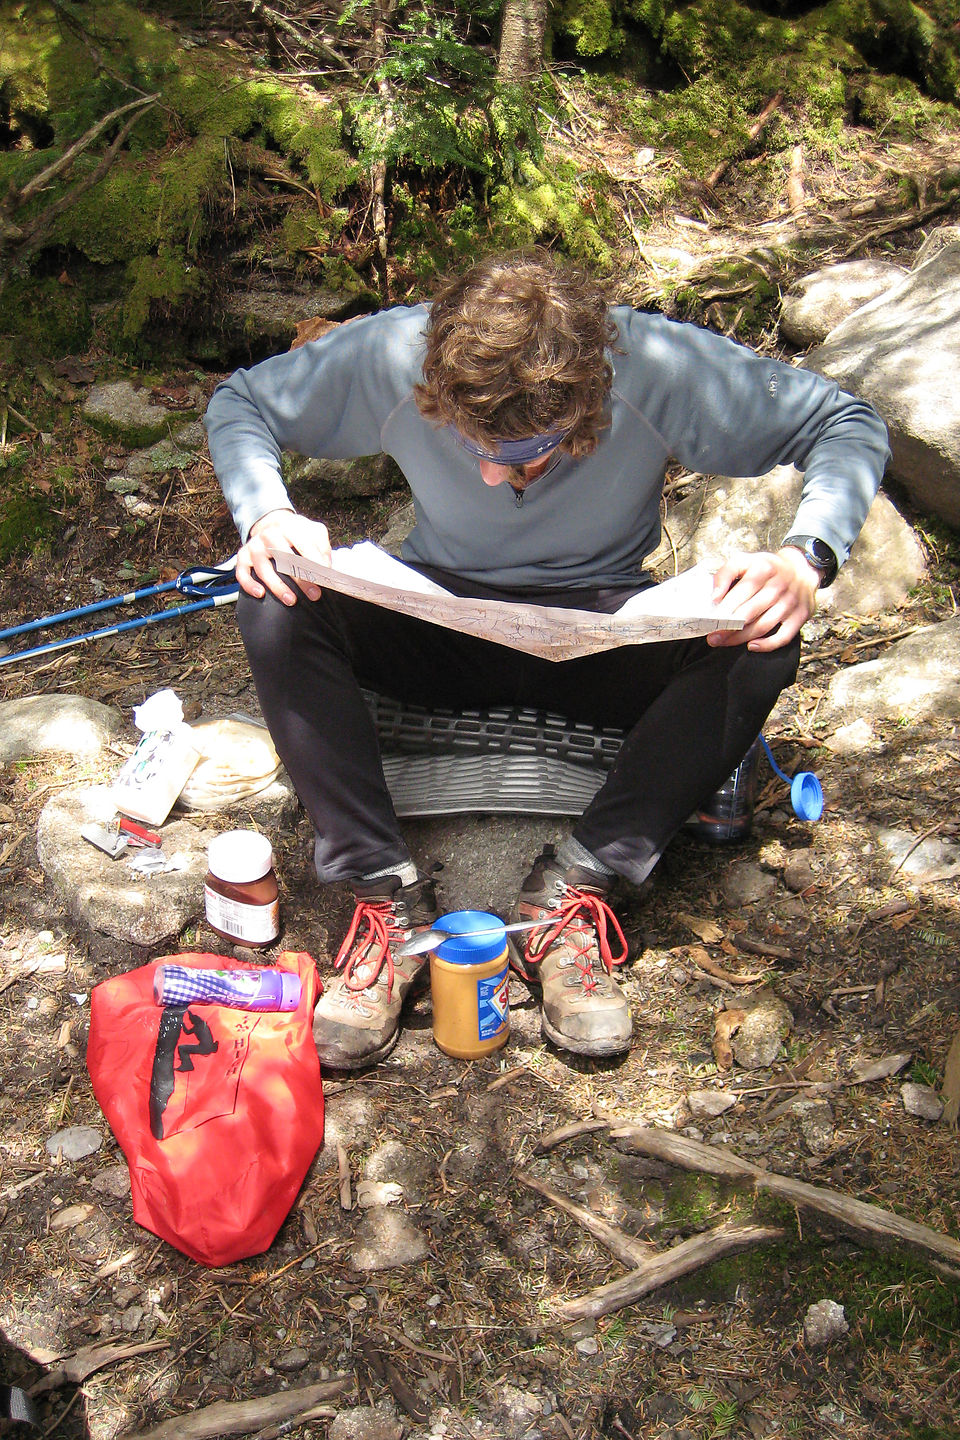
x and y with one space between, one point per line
806 795
461 949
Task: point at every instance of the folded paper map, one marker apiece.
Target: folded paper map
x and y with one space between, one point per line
675 610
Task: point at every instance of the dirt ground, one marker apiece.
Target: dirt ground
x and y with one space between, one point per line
470 1335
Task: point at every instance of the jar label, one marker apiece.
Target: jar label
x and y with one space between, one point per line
493 1004
256 924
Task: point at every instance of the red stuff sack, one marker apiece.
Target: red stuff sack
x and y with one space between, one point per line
218 1111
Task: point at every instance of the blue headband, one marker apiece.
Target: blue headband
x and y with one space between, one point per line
512 452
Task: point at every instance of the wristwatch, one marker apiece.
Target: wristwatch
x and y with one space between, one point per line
818 554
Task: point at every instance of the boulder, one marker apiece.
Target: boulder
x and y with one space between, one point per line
815 304
264 319
46 724
105 894
123 413
314 482
915 680
901 352
718 516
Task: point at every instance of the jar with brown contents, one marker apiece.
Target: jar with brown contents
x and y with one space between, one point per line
241 897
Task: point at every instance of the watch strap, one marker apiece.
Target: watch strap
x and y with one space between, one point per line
818 554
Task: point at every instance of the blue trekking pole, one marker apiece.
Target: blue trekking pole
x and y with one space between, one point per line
214 587
199 582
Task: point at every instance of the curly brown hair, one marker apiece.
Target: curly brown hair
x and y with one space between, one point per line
517 347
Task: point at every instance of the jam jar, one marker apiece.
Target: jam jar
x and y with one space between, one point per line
240 894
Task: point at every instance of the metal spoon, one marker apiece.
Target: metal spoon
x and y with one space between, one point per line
426 940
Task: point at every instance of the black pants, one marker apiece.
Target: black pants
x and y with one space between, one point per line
691 712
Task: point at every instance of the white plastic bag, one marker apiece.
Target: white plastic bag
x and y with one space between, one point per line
153 777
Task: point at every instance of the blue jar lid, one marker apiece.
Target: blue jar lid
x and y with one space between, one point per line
462 948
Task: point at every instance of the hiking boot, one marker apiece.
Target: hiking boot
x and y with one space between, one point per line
584 1009
357 1018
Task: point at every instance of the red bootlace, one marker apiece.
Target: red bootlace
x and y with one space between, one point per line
584 915
373 927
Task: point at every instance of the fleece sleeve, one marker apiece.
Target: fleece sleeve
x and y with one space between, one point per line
328 398
722 409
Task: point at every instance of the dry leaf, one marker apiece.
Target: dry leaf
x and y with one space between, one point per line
897 922
728 1022
73 1215
880 1069
950 1091
707 930
378 1192
63 1039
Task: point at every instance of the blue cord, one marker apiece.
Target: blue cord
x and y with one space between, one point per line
773 764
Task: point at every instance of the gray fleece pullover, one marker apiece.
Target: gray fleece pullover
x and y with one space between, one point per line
678 391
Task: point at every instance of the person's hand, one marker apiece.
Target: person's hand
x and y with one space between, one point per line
776 594
281 530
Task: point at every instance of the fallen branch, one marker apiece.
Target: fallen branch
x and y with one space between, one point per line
244 1417
625 1247
570 1132
385 1370
74 1369
760 124
872 1225
662 1269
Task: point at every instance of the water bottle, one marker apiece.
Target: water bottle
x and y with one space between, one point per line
728 815
239 989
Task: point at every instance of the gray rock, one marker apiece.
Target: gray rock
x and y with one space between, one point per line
75 1143
767 1024
857 738
288 1362
366 1422
587 1347
744 883
799 871
397 528
823 1322
718 516
121 412
47 724
915 680
113 1181
177 453
921 1101
816 1123
264 318
708 1104
386 1240
408 1167
932 859
316 481
105 894
233 1356
816 304
901 352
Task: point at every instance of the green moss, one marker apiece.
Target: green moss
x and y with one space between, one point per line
55 317
590 24
559 201
28 516
159 285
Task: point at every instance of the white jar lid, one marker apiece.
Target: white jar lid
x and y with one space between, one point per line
240 855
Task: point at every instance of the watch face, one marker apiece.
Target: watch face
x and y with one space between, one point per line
821 554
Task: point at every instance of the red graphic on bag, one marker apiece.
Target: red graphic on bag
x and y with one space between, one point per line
218 1111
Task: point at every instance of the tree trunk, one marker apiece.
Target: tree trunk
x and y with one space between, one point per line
523 33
